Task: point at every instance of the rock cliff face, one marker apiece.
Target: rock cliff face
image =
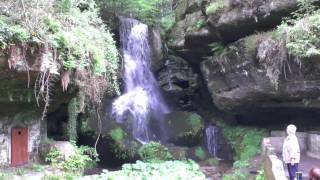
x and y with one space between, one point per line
19 109
240 79
244 66
197 27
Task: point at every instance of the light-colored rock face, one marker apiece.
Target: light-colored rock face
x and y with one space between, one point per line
65 148
157 50
29 120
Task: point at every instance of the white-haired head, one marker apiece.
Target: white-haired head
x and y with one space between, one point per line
291 129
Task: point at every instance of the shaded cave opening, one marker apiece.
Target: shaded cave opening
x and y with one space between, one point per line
57 123
57 130
306 119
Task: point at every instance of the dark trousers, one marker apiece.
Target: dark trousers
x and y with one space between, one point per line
292 169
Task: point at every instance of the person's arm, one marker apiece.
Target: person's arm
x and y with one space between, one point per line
294 151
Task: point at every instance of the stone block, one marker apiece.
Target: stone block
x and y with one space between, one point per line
313 142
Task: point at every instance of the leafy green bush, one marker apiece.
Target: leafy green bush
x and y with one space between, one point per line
200 153
237 175
155 170
11 33
154 151
216 6
261 175
54 157
117 134
152 12
246 142
167 22
302 37
85 157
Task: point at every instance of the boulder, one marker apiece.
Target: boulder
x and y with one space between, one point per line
157 50
191 32
183 7
195 30
245 17
65 148
250 77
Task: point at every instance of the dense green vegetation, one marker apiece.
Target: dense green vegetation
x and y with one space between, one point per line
84 158
68 37
302 36
154 170
153 12
246 143
153 152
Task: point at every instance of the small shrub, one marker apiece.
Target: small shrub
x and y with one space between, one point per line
195 121
54 157
216 7
154 170
167 22
261 175
200 153
237 175
117 134
84 158
154 151
37 167
20 171
213 162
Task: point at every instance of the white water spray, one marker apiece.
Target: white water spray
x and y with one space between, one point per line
141 96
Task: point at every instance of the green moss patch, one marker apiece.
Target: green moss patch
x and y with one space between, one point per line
216 7
117 134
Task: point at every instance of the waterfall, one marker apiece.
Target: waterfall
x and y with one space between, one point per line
167 64
212 140
141 98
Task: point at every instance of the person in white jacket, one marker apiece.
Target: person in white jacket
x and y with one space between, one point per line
291 151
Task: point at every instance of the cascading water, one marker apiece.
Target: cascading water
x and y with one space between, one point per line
212 140
169 73
141 98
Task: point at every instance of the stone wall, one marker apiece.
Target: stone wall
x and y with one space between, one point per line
31 120
273 166
313 142
280 135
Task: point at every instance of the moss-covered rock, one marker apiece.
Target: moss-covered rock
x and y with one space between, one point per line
184 128
178 152
198 153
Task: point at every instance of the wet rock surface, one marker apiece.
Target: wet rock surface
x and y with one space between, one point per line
179 83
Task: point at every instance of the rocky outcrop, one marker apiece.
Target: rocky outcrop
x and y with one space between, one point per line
17 86
197 27
157 50
179 83
242 18
257 73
